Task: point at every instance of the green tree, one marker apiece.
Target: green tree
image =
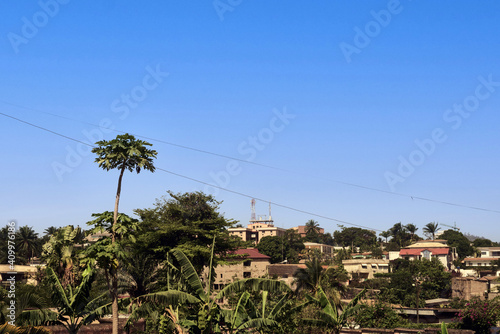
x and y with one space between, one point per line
482 242
430 229
355 237
188 221
428 275
122 153
108 253
378 315
281 248
60 253
459 241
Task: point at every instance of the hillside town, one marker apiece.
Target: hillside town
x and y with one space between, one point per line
419 282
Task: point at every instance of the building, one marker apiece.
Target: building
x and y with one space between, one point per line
366 268
467 287
21 273
427 249
322 248
252 264
256 230
485 259
303 232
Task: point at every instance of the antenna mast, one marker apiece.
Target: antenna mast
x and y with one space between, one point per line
253 217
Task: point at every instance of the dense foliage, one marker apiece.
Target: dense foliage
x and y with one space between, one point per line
428 276
355 237
283 248
379 315
479 315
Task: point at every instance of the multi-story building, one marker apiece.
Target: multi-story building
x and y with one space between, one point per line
366 268
251 264
256 230
487 256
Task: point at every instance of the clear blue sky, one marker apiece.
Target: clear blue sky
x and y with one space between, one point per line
399 96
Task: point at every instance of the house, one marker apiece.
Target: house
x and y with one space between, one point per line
427 249
366 268
251 264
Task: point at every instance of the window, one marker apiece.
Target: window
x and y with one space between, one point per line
364 266
247 263
220 275
247 274
427 254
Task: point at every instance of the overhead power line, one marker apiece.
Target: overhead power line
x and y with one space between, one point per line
413 197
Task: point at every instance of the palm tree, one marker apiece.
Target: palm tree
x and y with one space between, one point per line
51 230
122 153
27 241
412 229
431 229
309 278
385 234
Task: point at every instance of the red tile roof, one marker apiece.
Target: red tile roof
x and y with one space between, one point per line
251 253
418 251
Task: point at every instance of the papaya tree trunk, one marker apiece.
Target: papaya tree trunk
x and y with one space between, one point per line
114 273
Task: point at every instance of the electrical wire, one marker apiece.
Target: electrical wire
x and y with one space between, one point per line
413 197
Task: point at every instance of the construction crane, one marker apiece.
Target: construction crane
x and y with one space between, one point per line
455 228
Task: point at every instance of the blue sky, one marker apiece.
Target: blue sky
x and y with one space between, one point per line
398 97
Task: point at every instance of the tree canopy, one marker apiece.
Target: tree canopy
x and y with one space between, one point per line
189 222
355 236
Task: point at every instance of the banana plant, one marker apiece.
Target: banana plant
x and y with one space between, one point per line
75 309
196 309
332 316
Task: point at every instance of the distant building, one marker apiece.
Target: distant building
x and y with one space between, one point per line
252 264
257 230
322 248
468 287
366 268
487 256
22 274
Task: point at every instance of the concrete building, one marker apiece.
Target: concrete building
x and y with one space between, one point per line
252 264
366 268
468 287
21 273
257 230
427 249
322 248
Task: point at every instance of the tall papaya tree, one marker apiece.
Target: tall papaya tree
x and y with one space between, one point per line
125 152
